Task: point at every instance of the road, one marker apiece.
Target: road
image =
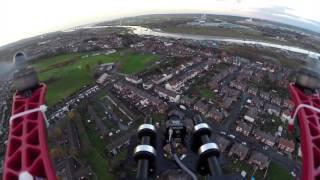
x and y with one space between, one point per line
234 114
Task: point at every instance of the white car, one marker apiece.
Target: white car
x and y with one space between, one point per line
130 123
293 174
232 136
183 107
244 143
118 131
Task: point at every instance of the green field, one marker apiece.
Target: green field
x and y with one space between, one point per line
65 74
277 172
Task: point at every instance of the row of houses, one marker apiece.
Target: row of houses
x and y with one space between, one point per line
215 82
255 108
242 152
179 81
266 138
139 98
209 111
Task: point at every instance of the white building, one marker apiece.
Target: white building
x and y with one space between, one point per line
102 79
169 95
162 78
134 79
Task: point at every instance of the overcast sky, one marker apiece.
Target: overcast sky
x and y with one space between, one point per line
25 18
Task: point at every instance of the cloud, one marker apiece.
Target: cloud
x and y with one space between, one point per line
297 19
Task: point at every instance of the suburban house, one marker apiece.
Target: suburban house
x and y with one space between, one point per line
258 102
238 85
213 85
201 106
214 114
265 95
253 90
259 160
264 137
273 109
166 94
102 79
276 100
137 97
244 128
238 151
251 115
162 78
286 145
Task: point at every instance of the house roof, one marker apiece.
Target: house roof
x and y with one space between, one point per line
259 158
202 106
265 135
165 91
252 112
239 149
244 126
286 142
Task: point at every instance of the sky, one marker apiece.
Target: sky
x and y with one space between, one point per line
22 19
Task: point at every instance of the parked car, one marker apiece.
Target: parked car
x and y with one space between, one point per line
223 133
232 136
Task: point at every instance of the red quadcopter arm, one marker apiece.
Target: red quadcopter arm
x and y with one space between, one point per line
27 151
309 124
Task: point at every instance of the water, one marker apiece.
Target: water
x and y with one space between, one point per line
146 31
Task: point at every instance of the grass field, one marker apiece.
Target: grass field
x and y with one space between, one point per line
65 74
277 172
